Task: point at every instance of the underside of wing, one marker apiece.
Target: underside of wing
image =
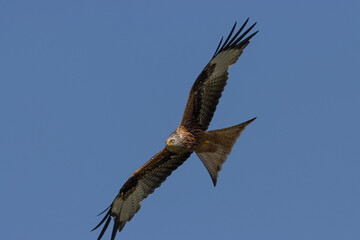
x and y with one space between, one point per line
208 87
142 183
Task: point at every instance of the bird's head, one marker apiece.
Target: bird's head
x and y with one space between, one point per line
174 141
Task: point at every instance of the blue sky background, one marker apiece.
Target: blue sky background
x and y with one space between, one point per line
90 90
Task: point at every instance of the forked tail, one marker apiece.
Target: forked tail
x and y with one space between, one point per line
218 146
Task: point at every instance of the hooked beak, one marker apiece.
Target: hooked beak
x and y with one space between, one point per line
169 143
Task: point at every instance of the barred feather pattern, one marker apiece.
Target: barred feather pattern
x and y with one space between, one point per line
142 183
208 87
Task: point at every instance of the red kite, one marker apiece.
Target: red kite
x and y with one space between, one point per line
212 147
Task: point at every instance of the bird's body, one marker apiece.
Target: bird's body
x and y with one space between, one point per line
184 140
212 147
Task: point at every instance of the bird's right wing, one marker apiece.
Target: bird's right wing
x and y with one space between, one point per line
143 182
208 87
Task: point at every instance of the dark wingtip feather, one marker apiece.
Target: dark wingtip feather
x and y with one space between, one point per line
238 32
101 222
253 34
104 228
104 210
242 36
247 40
234 42
231 32
107 217
218 46
115 228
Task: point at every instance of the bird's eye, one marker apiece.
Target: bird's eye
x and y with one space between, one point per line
172 140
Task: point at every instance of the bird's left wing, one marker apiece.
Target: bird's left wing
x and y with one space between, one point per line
207 89
142 183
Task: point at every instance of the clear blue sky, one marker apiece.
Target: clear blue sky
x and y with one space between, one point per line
90 90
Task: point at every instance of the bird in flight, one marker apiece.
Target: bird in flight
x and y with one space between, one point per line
212 147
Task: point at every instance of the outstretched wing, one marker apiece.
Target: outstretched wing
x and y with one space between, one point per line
142 183
207 89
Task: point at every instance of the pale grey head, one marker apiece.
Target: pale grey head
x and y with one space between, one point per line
174 141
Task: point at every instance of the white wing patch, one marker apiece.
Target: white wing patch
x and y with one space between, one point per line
224 60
